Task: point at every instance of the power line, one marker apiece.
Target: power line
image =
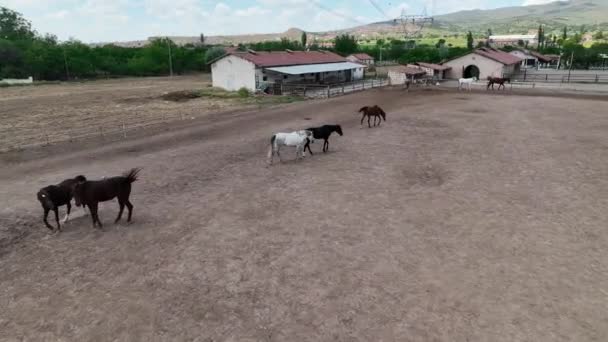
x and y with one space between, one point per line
375 4
318 4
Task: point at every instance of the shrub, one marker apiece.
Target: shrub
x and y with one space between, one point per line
243 92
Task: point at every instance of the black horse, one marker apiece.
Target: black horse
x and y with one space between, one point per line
374 111
90 193
53 196
498 80
323 132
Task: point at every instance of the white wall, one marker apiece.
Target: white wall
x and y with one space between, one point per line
12 81
233 73
358 74
487 67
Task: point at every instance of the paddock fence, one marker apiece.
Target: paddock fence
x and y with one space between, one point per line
117 128
333 90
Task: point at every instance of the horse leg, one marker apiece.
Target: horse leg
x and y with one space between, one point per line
67 216
121 205
279 154
368 120
44 218
362 118
326 145
130 208
308 146
56 210
379 120
93 209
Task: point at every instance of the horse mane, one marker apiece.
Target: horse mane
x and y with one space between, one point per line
363 109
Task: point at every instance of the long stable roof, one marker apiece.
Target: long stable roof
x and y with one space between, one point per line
315 68
433 66
286 58
499 56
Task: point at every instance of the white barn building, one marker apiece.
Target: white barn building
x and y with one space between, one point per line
482 63
255 70
362 58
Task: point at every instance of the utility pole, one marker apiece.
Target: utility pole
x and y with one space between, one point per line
170 58
571 62
65 60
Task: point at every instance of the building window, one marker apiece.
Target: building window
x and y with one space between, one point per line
265 78
284 77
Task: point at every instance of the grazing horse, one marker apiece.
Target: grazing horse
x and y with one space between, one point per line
90 193
53 196
466 81
374 111
299 139
498 80
323 132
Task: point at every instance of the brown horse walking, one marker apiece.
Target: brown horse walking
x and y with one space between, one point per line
498 80
374 111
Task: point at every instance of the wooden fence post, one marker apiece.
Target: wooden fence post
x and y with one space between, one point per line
124 130
328 92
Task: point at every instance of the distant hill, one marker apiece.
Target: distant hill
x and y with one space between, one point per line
554 15
521 19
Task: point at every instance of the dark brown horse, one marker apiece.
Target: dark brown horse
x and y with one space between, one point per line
53 196
374 111
90 193
498 80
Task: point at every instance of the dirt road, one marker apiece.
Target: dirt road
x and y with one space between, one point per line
450 222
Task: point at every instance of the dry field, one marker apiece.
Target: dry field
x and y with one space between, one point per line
464 217
51 113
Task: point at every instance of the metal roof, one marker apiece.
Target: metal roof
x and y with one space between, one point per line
285 58
315 68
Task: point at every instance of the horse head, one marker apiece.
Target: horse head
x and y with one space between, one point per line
78 193
339 130
363 109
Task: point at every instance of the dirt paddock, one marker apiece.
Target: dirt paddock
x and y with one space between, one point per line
464 217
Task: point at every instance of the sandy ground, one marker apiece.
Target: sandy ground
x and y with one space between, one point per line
37 115
464 217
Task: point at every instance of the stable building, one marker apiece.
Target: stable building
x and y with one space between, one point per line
513 40
435 71
533 59
483 63
255 70
362 58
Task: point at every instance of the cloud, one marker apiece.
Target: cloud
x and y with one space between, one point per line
59 14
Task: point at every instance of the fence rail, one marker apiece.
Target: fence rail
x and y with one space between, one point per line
326 91
560 78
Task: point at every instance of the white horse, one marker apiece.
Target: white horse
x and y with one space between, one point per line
297 139
467 82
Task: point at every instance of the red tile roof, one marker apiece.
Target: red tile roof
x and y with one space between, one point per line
362 56
540 56
285 58
499 56
434 66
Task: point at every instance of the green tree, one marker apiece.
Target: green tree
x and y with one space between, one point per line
214 53
346 44
13 26
540 36
599 35
470 40
304 39
440 43
202 39
565 33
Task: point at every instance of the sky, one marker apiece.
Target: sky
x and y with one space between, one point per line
125 20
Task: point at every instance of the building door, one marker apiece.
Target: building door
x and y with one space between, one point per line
348 75
471 71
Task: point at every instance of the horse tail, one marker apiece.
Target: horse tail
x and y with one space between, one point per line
271 149
131 175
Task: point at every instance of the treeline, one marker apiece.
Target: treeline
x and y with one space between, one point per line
25 53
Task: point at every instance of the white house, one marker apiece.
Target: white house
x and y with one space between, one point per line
532 59
482 63
513 40
362 58
256 70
